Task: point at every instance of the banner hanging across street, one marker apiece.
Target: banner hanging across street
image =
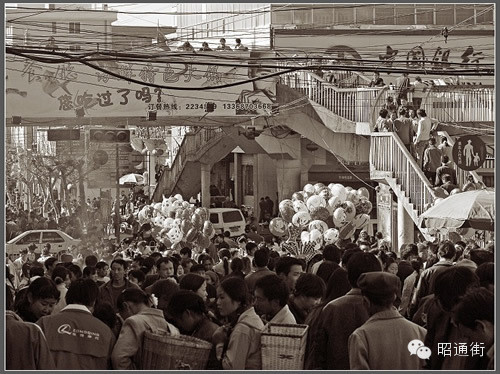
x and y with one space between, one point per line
40 90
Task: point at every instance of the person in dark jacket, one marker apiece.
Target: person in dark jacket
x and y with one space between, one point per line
445 168
309 290
78 340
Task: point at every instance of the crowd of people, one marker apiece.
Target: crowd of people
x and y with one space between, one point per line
362 302
205 47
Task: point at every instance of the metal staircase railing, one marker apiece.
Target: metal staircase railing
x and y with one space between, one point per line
191 146
389 154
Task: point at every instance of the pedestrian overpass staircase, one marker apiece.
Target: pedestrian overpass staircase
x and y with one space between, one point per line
342 110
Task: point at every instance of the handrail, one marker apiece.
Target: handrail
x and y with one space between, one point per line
354 104
461 174
388 153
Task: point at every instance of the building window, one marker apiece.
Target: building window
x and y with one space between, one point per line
247 174
282 17
464 14
344 15
384 15
74 27
405 15
364 15
445 15
302 16
54 27
425 15
323 16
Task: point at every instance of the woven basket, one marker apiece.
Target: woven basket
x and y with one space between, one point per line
167 352
283 346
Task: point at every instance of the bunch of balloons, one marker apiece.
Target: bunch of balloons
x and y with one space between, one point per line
320 215
178 224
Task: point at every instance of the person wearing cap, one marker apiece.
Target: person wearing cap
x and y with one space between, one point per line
381 343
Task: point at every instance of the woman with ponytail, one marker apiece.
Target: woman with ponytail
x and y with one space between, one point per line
238 342
135 307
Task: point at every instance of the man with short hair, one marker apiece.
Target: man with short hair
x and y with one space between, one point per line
425 286
50 264
45 253
309 290
185 253
371 346
78 340
261 259
164 270
448 185
289 269
432 160
445 169
223 46
409 253
404 128
102 269
109 292
253 235
331 260
271 297
423 135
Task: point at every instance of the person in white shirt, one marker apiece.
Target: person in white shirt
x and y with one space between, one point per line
423 134
271 298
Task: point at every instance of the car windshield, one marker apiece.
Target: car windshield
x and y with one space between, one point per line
232 216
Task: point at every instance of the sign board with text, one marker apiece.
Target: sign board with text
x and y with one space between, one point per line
38 90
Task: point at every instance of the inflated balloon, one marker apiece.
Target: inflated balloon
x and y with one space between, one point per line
318 187
440 192
347 231
186 225
330 236
203 241
202 213
350 210
301 219
339 217
320 213
315 201
298 196
309 188
186 214
325 193
185 204
364 206
349 189
159 220
304 237
363 192
191 234
353 197
177 222
339 191
175 235
438 200
334 202
208 227
286 210
178 213
177 205
277 227
361 220
166 242
299 206
307 195
197 221
315 235
168 223
455 191
318 225
178 197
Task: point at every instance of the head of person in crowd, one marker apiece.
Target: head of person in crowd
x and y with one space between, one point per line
270 295
474 315
36 270
232 298
196 283
486 275
390 265
383 113
46 249
83 292
102 269
452 284
409 252
61 275
118 271
185 253
423 251
380 289
208 263
261 258
446 251
237 266
137 263
75 272
89 272
91 260
186 264
250 248
363 235
50 264
309 291
289 269
165 267
39 300
347 255
137 277
187 309
163 290
359 263
480 256
132 301
148 266
332 253
247 265
421 113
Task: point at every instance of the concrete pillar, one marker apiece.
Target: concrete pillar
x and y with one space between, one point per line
405 227
288 178
205 185
238 180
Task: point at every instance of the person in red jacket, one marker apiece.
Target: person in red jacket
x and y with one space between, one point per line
76 339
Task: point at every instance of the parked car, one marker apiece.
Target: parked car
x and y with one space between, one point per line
59 241
228 219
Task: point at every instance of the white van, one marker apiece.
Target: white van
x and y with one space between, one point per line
228 219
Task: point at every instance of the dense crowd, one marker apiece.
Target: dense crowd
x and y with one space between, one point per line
362 302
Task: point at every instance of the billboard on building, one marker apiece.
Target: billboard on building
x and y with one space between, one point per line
70 89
